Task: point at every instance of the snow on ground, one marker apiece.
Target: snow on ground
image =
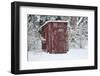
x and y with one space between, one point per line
72 54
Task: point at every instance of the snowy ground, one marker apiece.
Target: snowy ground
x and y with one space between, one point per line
72 54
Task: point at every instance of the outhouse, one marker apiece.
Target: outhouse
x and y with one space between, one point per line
55 36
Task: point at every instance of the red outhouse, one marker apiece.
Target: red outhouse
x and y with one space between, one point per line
55 36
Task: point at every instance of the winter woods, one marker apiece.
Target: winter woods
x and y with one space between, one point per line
77 30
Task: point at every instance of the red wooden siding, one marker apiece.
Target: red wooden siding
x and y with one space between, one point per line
56 37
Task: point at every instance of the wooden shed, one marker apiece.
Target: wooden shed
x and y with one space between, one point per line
55 36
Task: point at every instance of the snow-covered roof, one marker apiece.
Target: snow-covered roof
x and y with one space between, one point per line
51 21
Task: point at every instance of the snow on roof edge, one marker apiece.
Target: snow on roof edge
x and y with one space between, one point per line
50 21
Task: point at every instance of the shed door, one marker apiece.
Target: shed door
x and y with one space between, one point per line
60 40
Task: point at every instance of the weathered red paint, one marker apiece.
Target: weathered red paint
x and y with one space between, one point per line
56 37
